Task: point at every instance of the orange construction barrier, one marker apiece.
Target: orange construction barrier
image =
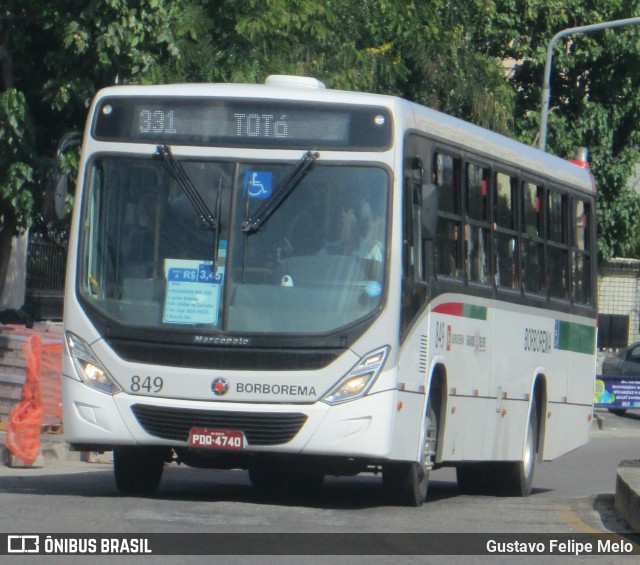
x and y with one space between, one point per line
26 417
50 383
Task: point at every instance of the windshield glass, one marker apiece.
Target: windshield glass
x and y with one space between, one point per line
315 265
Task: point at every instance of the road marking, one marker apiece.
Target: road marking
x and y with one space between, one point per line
574 521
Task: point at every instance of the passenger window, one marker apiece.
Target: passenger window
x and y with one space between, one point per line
505 197
505 237
477 192
532 196
446 179
446 175
557 245
478 229
532 242
581 258
556 207
580 224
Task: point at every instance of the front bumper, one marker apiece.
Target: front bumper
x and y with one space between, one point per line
362 428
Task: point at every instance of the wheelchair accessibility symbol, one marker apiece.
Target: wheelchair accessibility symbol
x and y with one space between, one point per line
258 184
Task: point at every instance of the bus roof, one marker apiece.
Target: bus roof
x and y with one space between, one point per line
500 148
407 116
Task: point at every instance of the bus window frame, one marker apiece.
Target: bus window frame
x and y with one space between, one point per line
563 246
543 297
480 224
538 239
512 233
455 218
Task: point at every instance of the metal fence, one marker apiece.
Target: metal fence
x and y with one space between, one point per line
46 265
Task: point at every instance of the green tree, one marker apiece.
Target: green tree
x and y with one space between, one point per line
447 54
419 50
54 55
595 95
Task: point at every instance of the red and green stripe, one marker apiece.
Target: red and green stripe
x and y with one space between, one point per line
569 336
462 310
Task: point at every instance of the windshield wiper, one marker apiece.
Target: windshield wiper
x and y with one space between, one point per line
208 219
184 182
285 188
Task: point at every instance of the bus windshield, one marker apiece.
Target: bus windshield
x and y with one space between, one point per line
147 254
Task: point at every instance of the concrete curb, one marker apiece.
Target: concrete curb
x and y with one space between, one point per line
10 460
52 448
627 499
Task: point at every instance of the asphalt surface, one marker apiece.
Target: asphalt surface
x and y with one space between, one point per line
627 495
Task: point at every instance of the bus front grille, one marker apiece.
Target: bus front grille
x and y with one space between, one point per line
260 428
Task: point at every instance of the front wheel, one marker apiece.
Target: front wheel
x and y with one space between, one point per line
138 470
406 483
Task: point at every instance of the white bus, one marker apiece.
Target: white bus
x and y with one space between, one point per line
303 282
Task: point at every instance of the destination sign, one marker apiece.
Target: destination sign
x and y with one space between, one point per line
255 123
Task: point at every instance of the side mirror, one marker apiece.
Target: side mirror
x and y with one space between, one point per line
55 196
429 211
57 184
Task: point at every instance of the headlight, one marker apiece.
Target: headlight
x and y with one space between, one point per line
360 379
89 369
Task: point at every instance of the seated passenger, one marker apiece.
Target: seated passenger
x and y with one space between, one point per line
361 233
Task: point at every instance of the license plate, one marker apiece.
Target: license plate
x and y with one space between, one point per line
216 439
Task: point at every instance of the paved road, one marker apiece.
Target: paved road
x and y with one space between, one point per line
572 495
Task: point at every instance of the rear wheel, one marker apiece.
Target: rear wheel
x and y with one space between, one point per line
516 478
475 478
138 470
511 478
407 483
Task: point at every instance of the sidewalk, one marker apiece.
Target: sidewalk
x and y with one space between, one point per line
54 448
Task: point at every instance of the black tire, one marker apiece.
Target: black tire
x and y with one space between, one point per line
138 470
476 478
406 483
512 478
618 411
516 478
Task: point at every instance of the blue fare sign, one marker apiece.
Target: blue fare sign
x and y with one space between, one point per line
193 292
251 123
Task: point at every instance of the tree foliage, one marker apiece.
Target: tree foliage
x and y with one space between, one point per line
448 54
595 96
54 55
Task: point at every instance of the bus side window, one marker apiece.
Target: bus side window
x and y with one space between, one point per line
532 242
446 176
505 236
557 244
581 258
478 229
